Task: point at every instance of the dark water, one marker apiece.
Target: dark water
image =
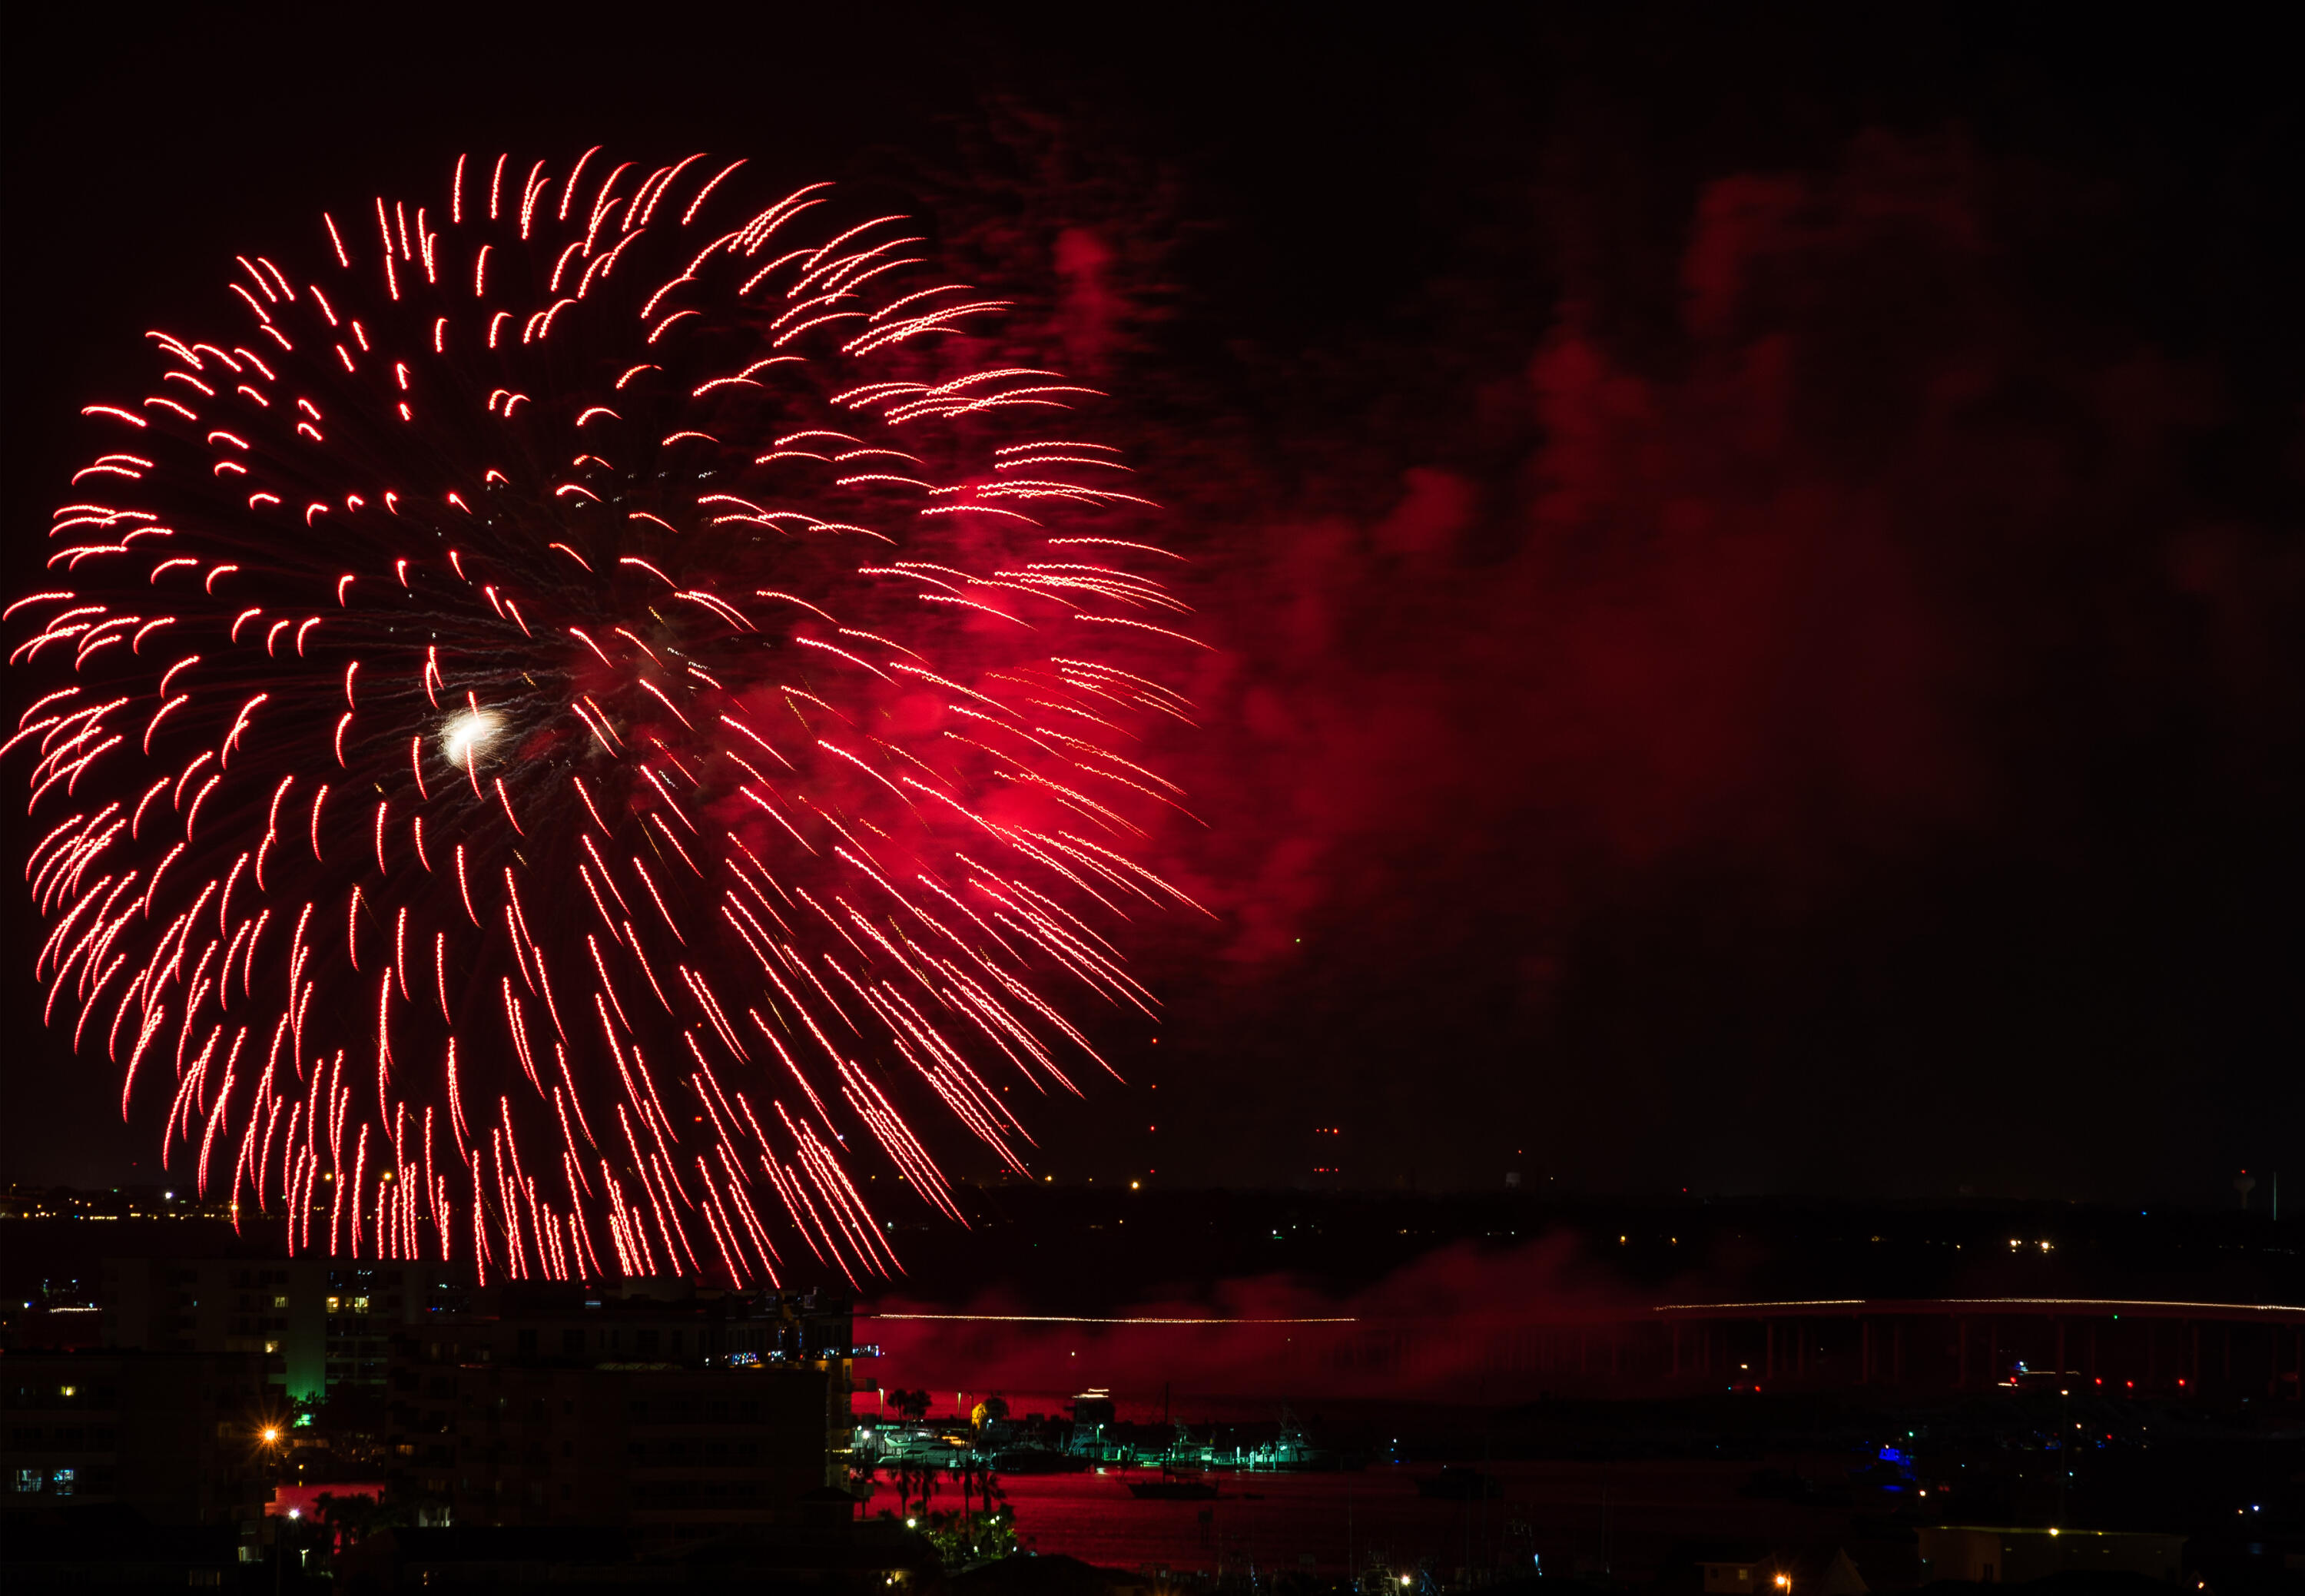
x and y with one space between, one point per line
1625 1516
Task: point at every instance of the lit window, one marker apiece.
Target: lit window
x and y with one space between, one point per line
30 1480
61 1482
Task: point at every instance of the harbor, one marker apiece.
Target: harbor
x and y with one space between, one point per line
1090 1438
1376 1530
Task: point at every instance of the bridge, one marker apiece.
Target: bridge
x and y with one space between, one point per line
2207 1350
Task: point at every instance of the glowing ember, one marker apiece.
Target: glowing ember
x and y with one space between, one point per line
466 732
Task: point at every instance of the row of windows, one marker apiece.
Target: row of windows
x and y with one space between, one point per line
693 1493
678 1453
664 1410
720 1494
640 1342
67 1394
653 1494
64 1483
367 1279
824 1340
363 1303
691 1410
537 1410
101 1438
673 1454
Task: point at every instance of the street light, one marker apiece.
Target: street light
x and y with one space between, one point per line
280 1548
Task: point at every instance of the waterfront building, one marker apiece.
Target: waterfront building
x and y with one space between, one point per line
675 1417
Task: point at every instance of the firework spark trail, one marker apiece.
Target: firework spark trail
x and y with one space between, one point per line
596 628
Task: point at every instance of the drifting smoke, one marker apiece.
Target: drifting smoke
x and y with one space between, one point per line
1461 1324
1652 754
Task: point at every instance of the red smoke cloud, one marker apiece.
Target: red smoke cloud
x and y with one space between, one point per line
1778 591
1456 1324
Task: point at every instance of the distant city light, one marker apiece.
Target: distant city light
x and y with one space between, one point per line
1067 1319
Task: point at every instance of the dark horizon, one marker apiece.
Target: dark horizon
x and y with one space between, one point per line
1756 563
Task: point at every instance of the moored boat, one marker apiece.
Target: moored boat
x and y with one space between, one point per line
1173 1486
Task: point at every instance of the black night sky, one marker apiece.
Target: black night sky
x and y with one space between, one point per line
1758 560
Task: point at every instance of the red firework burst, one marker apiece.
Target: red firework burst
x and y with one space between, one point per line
579 711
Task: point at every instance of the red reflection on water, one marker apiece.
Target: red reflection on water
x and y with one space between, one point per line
1271 1521
1573 1514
